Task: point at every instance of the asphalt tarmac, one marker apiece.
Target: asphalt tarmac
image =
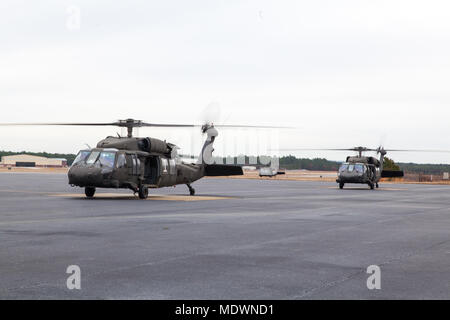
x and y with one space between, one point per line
238 239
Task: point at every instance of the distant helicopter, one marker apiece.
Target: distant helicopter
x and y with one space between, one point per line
142 163
271 171
366 170
369 170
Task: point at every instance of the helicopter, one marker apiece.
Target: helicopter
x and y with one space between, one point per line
271 171
368 170
138 163
365 170
362 169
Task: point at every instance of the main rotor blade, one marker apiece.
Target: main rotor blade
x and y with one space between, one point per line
167 125
119 124
214 125
249 126
407 150
58 124
137 124
323 149
366 150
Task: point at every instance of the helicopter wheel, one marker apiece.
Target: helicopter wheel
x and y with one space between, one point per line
377 185
191 190
371 185
143 192
341 185
89 192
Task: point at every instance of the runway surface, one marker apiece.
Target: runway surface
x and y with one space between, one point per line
240 239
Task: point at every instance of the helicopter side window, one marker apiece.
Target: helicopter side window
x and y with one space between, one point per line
138 166
135 169
92 157
121 161
134 164
172 166
107 159
164 165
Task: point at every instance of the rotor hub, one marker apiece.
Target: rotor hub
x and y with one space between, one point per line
129 124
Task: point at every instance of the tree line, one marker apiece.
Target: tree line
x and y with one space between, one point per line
286 162
68 156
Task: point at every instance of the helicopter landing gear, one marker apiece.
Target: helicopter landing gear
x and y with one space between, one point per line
89 192
377 185
191 190
341 185
371 185
143 192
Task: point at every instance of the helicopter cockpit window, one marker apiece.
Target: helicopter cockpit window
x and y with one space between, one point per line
343 167
92 157
106 159
82 155
359 168
351 167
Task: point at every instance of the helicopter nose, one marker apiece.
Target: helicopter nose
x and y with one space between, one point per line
84 176
74 174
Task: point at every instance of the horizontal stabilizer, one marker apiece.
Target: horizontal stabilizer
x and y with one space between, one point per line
392 174
218 170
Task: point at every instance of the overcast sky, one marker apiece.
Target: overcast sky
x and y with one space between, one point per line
346 73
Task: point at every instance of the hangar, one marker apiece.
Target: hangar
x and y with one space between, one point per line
26 160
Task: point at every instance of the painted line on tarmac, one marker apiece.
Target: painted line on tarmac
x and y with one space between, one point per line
362 188
122 196
25 191
127 196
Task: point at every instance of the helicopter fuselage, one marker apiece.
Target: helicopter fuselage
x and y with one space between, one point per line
360 170
139 164
112 168
358 173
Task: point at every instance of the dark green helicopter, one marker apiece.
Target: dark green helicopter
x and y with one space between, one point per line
365 170
368 170
360 169
142 163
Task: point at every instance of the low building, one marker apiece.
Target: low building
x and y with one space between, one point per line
26 160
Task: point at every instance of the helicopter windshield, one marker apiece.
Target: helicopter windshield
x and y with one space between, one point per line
343 167
102 158
359 168
106 159
92 157
82 155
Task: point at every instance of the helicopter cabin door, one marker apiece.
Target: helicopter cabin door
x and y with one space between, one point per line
151 171
121 166
133 164
168 172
